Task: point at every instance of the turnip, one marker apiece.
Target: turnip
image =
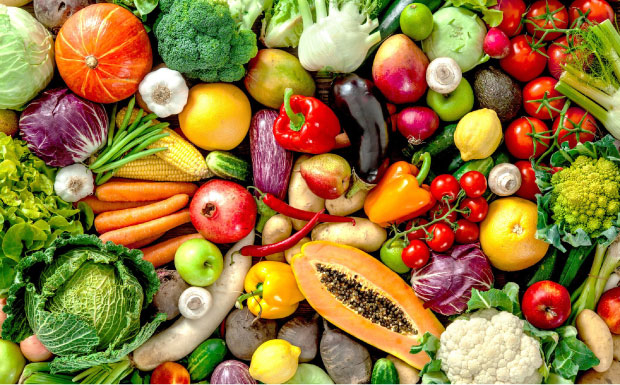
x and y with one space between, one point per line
496 44
54 13
417 124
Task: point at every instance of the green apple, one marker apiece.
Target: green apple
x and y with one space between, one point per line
392 256
199 262
453 106
12 362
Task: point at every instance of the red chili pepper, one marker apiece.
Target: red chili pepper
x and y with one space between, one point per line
280 206
306 124
263 251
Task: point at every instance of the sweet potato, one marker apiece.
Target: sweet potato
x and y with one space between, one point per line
594 332
364 235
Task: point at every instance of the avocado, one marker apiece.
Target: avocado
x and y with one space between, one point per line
496 90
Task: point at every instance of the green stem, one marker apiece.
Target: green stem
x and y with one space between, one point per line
147 140
127 116
254 293
306 13
586 299
425 168
611 45
127 159
112 125
321 9
297 119
565 88
595 94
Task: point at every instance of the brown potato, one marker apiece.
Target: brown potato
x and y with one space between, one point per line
593 331
344 206
364 235
277 228
616 339
407 374
611 376
290 253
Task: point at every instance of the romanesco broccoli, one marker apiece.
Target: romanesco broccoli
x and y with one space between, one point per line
585 195
200 39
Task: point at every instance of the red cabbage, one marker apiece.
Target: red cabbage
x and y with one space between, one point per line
62 129
232 372
445 283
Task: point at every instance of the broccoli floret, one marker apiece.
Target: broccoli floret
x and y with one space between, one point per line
200 39
585 195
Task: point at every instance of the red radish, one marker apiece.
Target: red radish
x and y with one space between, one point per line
496 43
2 314
223 211
34 350
417 123
546 304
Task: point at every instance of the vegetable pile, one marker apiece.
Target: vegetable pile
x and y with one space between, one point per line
309 191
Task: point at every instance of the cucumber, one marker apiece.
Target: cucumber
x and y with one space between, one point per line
384 372
545 268
227 166
501 157
481 165
205 358
456 163
379 6
439 143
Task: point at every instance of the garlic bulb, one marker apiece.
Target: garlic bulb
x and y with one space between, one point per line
164 91
74 182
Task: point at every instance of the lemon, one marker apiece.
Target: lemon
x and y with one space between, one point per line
274 362
478 134
508 234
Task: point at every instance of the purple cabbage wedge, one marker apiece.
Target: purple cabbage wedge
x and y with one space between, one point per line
232 372
62 128
445 283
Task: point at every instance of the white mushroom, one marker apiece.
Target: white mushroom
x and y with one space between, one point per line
505 179
443 75
194 302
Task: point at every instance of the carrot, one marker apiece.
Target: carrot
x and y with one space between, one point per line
163 252
144 242
113 220
99 207
127 190
135 233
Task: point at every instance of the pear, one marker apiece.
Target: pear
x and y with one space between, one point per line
327 175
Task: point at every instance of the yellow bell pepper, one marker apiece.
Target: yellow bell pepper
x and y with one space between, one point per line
272 290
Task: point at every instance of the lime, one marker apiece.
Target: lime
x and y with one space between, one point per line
416 21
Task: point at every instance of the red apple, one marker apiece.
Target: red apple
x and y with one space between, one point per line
609 309
170 373
546 304
223 211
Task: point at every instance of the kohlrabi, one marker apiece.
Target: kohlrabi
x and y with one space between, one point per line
339 39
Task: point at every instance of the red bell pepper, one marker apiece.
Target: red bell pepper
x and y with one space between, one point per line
306 124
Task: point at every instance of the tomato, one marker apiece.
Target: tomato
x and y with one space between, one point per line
445 185
539 89
597 10
529 188
466 231
520 144
416 254
559 54
417 234
576 116
440 209
512 11
546 14
523 62
473 183
478 209
442 237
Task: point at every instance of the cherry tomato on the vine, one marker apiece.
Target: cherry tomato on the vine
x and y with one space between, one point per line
576 117
520 143
466 231
478 209
416 255
512 11
523 62
473 183
539 89
546 14
440 209
445 185
442 237
597 11
529 188
416 234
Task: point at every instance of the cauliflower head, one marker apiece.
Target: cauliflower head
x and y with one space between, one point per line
585 195
489 347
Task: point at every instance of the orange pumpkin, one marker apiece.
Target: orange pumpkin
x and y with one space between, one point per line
103 52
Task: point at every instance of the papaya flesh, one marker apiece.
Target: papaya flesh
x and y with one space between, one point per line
363 297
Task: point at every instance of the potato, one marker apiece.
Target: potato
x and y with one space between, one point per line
290 253
245 333
365 235
407 374
34 350
277 228
616 339
300 196
593 331
611 376
304 333
171 286
344 206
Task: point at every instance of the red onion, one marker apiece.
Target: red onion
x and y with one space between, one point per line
445 283
417 123
496 44
232 372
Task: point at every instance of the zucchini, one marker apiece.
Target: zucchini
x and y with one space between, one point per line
205 358
481 165
439 142
379 6
384 372
228 166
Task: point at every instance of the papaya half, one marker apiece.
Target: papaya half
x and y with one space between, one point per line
363 297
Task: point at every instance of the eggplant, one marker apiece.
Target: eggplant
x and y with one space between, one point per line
365 119
232 372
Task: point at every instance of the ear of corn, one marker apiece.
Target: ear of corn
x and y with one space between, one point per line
155 169
182 155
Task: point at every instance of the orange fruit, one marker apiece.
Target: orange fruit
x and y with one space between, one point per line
508 234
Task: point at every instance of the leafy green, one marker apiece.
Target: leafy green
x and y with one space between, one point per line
506 299
84 301
282 25
493 17
431 373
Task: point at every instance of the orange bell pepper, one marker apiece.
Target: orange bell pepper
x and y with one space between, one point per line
398 196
